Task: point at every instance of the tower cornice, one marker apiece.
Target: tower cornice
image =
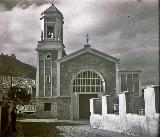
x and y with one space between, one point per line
50 45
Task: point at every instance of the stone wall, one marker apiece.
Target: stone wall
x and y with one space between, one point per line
131 124
141 125
40 113
63 108
87 61
60 108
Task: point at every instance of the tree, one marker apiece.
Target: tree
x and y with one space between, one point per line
19 94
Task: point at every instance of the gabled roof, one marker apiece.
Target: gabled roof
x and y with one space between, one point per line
53 9
85 50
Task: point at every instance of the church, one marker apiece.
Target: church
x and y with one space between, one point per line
65 83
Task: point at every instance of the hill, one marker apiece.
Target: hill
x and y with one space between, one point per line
10 66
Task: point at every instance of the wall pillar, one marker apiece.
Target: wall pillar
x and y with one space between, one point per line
91 106
149 98
58 79
44 67
117 79
122 104
51 78
75 108
37 76
59 53
105 104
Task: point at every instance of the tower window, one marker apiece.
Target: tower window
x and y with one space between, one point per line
47 106
48 79
50 30
48 56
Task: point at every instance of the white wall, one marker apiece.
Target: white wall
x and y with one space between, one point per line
142 125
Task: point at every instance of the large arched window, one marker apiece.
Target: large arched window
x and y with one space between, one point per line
88 81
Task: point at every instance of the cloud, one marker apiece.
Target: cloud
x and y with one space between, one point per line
20 32
126 29
10 4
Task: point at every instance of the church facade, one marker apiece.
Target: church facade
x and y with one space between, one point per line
65 83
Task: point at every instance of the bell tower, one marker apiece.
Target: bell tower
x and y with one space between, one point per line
50 47
52 25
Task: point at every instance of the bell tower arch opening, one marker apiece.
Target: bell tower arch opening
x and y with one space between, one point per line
52 25
86 84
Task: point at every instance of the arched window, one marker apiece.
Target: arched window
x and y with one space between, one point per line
88 81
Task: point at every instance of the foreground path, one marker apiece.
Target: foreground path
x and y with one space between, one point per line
19 132
52 128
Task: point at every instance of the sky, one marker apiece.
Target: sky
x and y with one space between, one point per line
125 29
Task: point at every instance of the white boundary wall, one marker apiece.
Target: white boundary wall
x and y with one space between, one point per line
141 125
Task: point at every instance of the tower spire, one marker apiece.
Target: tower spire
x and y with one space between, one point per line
87 42
52 2
87 38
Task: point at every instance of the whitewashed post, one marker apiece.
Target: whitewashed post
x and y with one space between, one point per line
122 104
105 104
149 98
91 106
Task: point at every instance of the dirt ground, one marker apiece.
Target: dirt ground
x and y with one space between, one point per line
61 129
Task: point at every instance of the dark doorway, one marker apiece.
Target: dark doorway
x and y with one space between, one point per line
84 105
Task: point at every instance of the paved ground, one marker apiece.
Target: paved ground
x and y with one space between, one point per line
54 128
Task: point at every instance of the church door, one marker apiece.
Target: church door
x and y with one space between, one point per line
84 105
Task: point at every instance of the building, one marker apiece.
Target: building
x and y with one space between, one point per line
65 83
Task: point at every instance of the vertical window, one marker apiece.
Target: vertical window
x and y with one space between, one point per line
47 106
50 30
129 82
136 82
123 83
48 79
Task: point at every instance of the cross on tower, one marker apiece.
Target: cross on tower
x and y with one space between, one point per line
52 2
87 39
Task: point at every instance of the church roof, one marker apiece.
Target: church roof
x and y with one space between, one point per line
52 9
85 50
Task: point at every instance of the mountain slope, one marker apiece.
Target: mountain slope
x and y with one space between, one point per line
9 65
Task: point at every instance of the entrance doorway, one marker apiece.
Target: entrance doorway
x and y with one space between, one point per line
84 105
86 84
